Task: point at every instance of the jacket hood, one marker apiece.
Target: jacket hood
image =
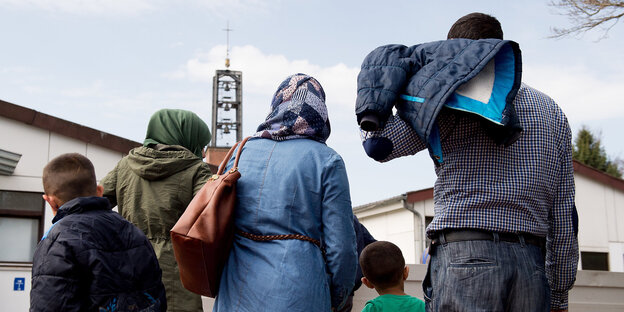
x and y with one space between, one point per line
160 162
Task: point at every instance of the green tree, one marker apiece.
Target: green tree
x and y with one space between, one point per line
588 150
586 15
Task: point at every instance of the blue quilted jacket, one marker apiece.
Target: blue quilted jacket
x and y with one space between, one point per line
92 259
476 76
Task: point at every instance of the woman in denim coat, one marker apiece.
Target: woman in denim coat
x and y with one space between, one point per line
291 183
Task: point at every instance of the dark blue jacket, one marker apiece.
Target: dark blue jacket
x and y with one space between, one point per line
421 79
92 259
363 238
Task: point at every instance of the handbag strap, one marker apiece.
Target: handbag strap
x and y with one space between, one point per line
229 155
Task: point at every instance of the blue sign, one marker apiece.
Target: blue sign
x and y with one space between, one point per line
19 284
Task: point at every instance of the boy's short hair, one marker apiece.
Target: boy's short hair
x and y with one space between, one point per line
69 176
382 264
476 26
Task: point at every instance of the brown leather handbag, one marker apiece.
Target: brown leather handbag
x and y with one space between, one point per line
203 236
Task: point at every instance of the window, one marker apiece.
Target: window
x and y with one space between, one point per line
21 225
428 220
595 261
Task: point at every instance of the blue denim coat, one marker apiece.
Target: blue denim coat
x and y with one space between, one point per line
295 186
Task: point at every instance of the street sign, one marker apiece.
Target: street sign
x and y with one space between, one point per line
19 284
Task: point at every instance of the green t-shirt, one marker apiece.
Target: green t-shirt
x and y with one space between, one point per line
390 303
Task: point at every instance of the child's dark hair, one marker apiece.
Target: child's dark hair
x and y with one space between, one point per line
69 176
476 26
382 264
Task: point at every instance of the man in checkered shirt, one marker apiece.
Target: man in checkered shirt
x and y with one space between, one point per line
503 235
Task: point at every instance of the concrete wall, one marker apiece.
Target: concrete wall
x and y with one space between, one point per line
598 291
593 291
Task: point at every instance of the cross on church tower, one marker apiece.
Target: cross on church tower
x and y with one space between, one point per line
227 51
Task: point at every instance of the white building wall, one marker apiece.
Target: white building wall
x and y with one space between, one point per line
595 226
422 209
393 224
32 143
37 148
617 214
14 298
616 257
103 159
59 144
616 245
601 219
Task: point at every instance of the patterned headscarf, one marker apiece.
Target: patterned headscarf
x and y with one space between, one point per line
298 111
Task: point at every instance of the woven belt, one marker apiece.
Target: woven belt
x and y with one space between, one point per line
265 238
461 235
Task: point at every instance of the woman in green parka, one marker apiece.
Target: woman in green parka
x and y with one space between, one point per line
153 185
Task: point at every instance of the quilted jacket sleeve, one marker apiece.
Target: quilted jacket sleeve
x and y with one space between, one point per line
55 279
396 139
383 77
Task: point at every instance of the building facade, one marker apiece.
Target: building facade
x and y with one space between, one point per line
599 201
28 141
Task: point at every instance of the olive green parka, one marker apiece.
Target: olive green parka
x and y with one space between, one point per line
151 188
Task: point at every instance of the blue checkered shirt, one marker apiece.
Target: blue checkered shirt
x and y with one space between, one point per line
526 187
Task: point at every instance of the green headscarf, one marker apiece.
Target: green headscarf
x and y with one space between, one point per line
178 127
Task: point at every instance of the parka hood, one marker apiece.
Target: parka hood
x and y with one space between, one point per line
160 162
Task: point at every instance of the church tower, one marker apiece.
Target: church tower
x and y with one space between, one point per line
227 110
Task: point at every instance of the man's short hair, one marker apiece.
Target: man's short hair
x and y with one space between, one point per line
476 26
69 176
382 264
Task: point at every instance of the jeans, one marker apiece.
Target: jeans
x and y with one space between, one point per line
483 275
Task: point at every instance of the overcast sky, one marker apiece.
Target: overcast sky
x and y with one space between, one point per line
109 64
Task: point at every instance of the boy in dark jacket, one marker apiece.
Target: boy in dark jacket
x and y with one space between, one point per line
91 259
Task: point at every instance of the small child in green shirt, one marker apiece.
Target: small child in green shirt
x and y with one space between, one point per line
384 270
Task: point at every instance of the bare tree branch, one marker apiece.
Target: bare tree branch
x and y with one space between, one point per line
586 15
